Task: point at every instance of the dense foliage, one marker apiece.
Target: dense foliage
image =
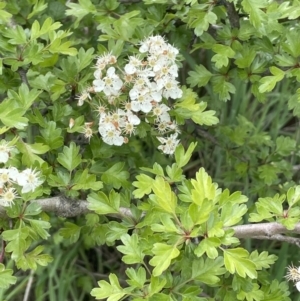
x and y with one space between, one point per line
149 150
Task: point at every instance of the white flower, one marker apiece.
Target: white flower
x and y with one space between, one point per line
7 197
133 65
4 151
170 86
82 97
168 144
161 112
8 175
110 85
29 180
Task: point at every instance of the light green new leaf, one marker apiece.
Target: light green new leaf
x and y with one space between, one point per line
256 294
70 157
209 246
268 82
232 214
205 118
163 255
101 204
155 286
200 214
237 261
6 278
17 241
32 259
200 77
136 278
293 195
132 249
112 291
163 197
182 158
204 188
39 227
143 184
262 260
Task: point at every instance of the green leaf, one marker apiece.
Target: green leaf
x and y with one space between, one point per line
84 181
163 255
143 184
207 270
285 145
223 52
116 176
268 82
6 278
70 157
256 294
39 227
101 204
31 259
256 15
237 261
209 246
38 7
29 152
17 241
15 35
200 77
232 214
163 197
51 135
262 260
132 249
136 278
201 20
200 214
293 195
113 291
70 231
182 158
202 117
204 188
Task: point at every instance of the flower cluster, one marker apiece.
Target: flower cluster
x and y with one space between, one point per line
137 93
294 275
28 179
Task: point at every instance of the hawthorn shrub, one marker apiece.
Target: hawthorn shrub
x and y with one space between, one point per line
149 150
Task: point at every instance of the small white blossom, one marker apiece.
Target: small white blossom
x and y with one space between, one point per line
110 85
7 196
82 97
133 65
168 144
29 180
4 151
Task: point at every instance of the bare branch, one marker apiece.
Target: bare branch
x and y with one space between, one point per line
233 16
66 207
